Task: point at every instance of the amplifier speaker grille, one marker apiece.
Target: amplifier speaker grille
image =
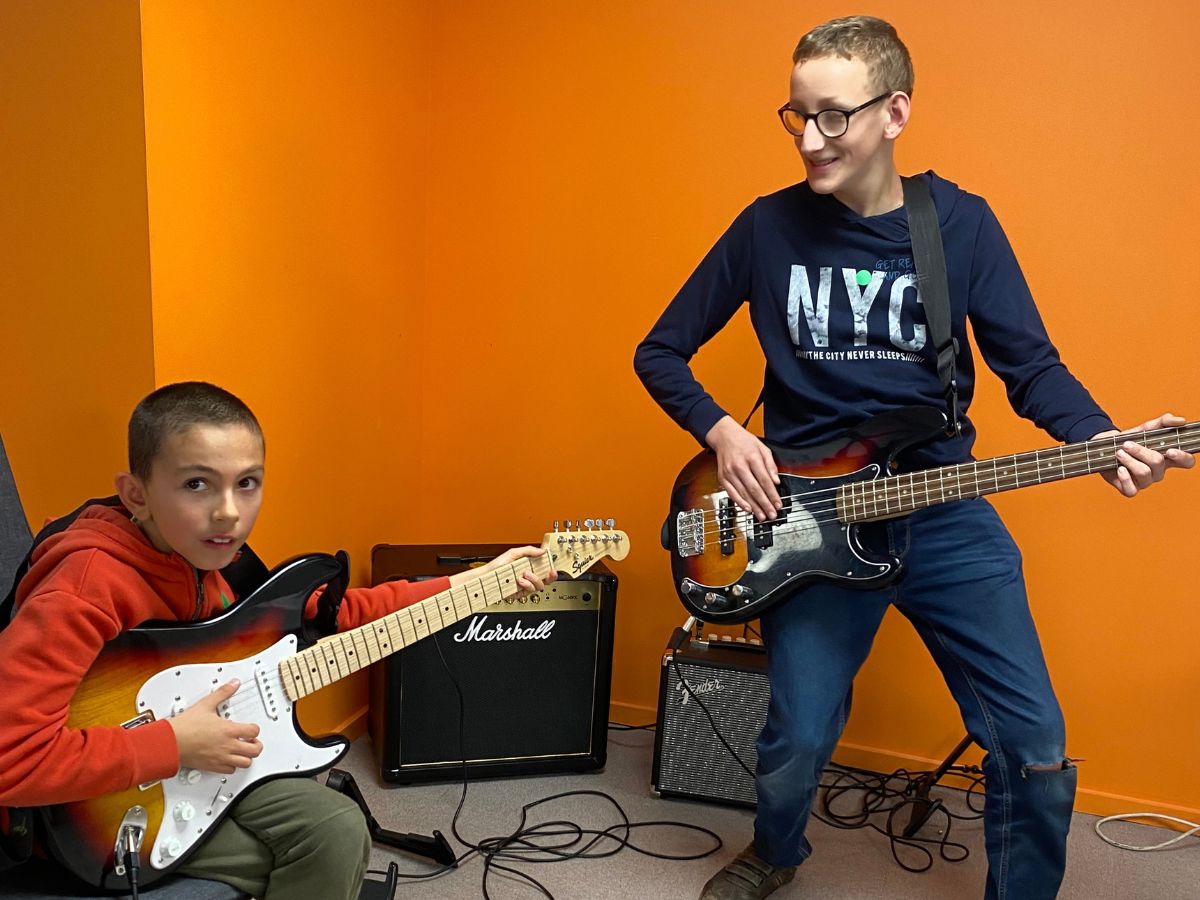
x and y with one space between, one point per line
689 759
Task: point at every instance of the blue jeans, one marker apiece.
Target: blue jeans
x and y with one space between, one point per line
964 593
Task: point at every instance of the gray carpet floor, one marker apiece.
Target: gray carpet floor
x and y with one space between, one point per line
846 865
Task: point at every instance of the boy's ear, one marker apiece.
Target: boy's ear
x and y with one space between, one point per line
133 495
899 108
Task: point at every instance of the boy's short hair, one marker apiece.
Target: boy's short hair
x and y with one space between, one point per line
174 408
872 40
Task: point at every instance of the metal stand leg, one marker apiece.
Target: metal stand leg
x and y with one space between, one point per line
436 848
923 807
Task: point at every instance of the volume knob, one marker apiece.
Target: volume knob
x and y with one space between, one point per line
715 602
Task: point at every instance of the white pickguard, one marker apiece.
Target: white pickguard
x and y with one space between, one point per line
193 800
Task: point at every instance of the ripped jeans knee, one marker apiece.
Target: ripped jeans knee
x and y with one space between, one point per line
1066 764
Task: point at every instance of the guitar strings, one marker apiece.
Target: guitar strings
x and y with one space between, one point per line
1073 460
247 697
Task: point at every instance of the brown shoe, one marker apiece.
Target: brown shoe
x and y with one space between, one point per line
747 878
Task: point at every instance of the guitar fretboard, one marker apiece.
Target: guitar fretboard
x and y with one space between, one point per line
347 652
896 495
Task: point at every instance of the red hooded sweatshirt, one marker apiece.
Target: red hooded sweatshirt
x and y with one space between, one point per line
87 584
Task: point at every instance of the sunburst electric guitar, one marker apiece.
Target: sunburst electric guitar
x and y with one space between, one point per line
160 669
728 568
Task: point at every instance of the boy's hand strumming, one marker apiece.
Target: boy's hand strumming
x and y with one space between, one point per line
212 743
745 468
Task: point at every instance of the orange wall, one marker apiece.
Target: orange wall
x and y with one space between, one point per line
422 242
285 160
74 262
588 156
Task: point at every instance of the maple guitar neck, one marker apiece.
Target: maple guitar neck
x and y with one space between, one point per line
347 652
896 495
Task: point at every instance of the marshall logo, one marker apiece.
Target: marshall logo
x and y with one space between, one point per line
707 686
476 631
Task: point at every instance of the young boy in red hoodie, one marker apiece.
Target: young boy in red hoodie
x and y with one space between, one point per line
191 497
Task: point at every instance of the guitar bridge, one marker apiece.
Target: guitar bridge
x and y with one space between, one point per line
689 532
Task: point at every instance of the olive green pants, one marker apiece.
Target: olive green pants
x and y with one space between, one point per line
288 838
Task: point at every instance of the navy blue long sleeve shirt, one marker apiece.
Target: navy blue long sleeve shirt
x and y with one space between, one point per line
834 303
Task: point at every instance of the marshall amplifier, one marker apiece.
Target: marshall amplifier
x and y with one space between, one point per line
690 761
535 676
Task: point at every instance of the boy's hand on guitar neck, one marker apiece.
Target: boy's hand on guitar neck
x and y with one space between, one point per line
210 742
1140 466
527 580
745 468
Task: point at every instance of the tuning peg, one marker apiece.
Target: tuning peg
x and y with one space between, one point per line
556 526
610 523
589 523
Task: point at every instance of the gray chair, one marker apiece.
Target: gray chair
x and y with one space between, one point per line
15 536
37 879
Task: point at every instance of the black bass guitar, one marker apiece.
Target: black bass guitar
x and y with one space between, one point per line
728 568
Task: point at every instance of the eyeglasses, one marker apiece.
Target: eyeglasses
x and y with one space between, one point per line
832 123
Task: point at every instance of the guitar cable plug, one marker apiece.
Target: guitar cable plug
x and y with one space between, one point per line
682 634
132 841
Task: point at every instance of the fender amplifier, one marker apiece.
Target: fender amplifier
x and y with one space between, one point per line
535 675
730 679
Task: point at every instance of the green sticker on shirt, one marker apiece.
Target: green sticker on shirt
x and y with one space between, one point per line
863 278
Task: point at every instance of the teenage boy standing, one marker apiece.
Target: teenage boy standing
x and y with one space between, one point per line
826 267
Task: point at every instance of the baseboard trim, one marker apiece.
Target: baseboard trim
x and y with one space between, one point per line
632 714
1087 800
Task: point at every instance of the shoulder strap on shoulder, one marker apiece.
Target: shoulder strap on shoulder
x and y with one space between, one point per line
331 598
930 260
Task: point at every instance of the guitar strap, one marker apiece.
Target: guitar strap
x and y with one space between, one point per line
331 598
930 261
929 258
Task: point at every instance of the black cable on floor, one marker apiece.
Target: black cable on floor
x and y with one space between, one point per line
878 796
555 840
893 795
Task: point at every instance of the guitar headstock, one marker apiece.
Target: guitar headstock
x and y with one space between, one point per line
575 550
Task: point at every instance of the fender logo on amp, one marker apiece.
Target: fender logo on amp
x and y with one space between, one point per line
708 686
